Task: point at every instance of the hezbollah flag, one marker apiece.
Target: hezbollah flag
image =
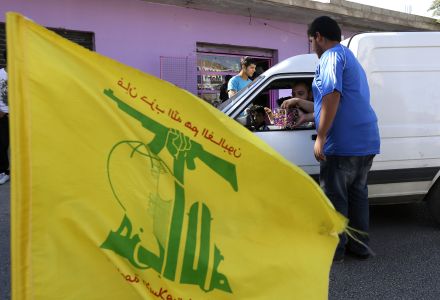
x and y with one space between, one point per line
127 187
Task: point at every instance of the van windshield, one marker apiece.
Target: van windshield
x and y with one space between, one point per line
231 101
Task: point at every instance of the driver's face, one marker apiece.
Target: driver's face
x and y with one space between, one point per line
300 91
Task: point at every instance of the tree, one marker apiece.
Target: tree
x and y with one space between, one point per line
435 7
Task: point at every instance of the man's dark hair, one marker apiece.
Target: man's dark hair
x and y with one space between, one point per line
257 109
247 61
327 27
301 81
228 77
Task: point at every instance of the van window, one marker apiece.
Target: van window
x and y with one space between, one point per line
231 101
264 113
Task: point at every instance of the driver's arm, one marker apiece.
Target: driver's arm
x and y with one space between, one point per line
305 105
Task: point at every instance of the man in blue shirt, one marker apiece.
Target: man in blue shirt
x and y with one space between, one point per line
241 80
347 132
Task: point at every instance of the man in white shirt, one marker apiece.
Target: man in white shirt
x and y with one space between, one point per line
4 125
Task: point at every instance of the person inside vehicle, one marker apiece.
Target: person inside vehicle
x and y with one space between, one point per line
300 108
258 118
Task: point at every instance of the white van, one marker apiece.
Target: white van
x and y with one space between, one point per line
403 71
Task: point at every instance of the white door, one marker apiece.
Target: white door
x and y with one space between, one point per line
295 145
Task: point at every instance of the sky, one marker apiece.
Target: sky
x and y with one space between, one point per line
416 7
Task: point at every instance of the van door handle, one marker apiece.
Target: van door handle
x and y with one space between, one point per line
314 136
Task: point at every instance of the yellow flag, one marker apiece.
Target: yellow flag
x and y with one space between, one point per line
127 187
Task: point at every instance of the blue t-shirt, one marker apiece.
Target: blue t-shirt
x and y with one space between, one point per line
237 83
354 131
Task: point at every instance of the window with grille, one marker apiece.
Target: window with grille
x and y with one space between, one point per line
83 38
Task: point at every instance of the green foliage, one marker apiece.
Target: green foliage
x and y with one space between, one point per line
435 7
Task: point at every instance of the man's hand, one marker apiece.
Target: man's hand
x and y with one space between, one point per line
231 93
2 114
305 105
319 148
269 114
303 118
290 103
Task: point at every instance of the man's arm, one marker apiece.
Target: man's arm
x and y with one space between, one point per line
305 105
303 118
330 103
232 87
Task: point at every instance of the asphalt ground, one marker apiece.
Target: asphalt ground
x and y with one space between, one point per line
406 241
406 266
5 261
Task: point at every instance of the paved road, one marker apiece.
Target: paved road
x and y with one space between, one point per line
5 263
407 265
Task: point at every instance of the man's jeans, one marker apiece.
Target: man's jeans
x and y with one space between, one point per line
4 144
344 181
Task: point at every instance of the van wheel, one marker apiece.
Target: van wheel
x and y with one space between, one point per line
433 201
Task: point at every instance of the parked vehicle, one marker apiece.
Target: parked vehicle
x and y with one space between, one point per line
403 71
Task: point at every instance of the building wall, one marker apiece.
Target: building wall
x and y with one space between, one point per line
137 33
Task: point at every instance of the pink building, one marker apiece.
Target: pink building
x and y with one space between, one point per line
192 47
